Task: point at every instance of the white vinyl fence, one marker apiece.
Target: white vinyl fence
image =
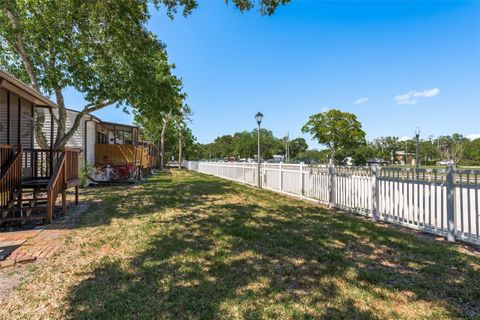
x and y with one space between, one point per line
439 201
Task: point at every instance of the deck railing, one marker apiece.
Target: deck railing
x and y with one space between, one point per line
7 151
11 175
38 163
55 186
71 165
441 201
121 154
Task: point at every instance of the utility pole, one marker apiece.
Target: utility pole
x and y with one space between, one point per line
417 136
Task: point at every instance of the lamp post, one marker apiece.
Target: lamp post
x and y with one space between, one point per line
417 136
259 118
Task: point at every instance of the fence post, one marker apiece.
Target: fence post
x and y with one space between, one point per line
301 180
243 173
280 177
375 193
331 177
450 185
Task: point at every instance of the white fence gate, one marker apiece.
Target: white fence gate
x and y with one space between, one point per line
439 201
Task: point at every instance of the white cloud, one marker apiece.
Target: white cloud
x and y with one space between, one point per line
405 138
473 136
324 109
412 96
361 100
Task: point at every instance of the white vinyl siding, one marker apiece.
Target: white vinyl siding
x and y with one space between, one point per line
3 116
13 119
76 141
91 136
26 124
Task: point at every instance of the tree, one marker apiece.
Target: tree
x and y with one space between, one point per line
102 49
297 146
452 147
337 130
180 121
472 152
313 155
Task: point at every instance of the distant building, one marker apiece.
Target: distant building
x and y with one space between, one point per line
404 158
278 158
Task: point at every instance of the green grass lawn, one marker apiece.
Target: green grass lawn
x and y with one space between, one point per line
191 246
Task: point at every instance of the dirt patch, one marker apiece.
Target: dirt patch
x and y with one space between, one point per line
34 246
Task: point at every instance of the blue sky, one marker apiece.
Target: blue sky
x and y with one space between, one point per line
396 65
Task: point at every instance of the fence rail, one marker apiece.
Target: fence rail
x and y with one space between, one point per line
440 201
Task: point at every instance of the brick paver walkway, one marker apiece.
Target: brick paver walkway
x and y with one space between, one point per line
33 244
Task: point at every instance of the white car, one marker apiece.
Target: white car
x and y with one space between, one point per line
445 163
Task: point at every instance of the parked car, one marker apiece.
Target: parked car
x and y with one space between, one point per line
445 163
377 162
347 161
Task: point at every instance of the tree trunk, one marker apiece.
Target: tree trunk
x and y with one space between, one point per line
62 118
20 46
162 143
60 142
39 117
179 146
332 160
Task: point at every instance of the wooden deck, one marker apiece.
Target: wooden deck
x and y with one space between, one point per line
40 174
123 154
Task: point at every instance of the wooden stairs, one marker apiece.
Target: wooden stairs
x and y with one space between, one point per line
33 199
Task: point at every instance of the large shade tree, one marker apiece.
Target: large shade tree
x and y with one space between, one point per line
100 48
337 130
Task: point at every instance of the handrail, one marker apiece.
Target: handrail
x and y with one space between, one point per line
55 185
72 159
10 164
10 178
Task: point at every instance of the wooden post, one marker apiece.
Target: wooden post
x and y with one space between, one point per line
51 144
76 195
50 205
64 200
8 118
19 129
450 185
375 193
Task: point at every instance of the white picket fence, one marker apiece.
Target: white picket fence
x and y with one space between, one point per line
440 201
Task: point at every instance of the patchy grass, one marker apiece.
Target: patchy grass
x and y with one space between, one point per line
190 246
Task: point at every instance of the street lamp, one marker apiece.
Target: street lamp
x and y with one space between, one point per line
259 118
417 136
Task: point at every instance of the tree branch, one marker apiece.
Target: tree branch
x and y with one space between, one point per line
20 46
60 142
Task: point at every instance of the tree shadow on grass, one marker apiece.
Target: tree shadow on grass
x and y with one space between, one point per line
248 260
128 201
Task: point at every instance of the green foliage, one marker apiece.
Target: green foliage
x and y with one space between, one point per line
101 48
244 145
336 129
84 173
472 152
297 146
313 155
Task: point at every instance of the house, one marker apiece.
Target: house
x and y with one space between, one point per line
31 178
84 138
112 151
404 158
121 147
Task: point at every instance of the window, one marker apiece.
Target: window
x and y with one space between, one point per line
101 138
